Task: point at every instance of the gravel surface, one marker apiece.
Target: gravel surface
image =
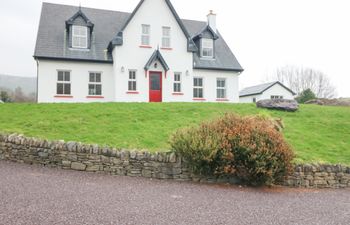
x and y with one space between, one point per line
39 195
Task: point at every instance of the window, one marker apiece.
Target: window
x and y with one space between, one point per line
132 80
145 37
95 85
220 88
63 83
254 100
207 48
198 87
166 37
177 82
79 37
276 97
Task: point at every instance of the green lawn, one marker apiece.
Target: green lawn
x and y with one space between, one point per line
317 134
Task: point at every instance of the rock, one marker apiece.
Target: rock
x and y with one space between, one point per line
279 104
78 166
172 158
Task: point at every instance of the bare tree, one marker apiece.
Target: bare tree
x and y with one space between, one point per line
300 79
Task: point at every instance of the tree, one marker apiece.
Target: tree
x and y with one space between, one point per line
305 96
300 79
18 95
4 96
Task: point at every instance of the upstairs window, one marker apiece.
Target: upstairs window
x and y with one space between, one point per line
95 85
146 33
79 37
221 88
132 81
166 37
207 50
63 83
198 87
177 83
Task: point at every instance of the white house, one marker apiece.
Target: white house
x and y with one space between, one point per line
274 90
149 55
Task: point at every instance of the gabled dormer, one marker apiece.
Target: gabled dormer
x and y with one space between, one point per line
79 31
205 39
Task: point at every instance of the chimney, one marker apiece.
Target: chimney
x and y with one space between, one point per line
212 20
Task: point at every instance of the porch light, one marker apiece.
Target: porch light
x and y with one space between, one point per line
122 69
187 73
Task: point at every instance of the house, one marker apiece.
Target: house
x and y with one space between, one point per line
273 90
149 55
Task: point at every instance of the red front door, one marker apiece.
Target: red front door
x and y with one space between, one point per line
155 87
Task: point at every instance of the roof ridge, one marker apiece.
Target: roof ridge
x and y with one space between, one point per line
83 7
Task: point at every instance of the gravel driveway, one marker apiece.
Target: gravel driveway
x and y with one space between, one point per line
38 195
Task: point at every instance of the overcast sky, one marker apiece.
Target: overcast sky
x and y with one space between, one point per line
264 35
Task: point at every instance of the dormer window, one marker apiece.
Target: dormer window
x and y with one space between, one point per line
80 31
79 37
207 48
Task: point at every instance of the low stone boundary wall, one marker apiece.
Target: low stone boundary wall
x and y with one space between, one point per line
94 158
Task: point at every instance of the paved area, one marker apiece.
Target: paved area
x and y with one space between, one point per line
39 195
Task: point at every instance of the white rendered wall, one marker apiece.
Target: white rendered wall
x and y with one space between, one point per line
47 80
209 80
157 14
276 89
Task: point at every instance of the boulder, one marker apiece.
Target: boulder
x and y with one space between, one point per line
279 104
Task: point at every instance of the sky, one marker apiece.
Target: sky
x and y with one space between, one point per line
264 35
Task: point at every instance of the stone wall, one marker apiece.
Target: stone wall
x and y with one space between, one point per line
94 158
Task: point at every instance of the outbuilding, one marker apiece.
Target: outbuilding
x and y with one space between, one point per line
273 90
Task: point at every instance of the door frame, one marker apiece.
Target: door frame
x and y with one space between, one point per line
161 84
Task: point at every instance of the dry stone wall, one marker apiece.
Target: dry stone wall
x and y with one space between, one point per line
94 158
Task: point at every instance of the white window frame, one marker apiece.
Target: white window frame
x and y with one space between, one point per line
145 35
95 83
132 80
205 46
166 38
177 82
84 44
64 82
221 88
198 87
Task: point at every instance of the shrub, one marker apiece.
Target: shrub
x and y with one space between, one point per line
248 148
305 96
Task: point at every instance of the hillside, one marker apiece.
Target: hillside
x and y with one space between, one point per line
28 84
316 133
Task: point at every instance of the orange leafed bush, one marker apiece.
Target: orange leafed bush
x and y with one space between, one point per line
248 148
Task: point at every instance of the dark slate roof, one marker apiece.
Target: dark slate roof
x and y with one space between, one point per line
259 89
52 41
224 58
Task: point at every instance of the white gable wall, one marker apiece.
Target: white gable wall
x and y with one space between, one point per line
79 72
157 14
276 89
209 80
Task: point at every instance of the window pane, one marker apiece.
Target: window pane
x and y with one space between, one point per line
145 29
67 89
200 82
92 89
59 89
145 40
67 76
98 89
166 31
60 76
98 77
155 82
92 77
